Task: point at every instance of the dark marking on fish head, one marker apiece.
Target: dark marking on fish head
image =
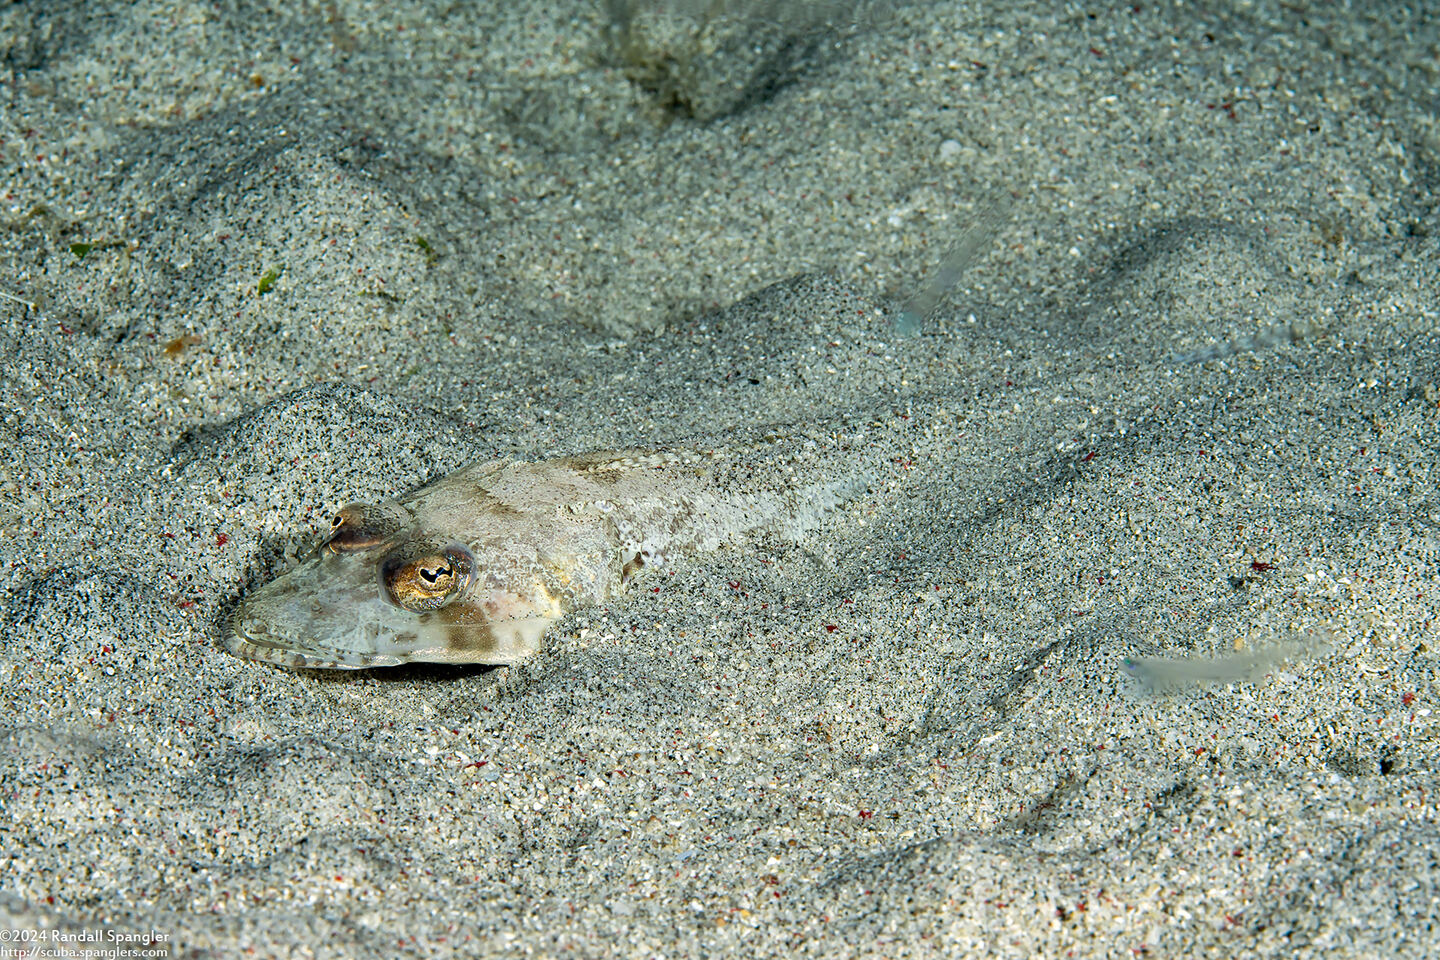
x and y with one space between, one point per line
630 566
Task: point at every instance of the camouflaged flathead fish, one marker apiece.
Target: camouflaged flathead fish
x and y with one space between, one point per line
475 567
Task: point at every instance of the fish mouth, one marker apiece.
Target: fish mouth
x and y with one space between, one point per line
331 613
251 638
324 614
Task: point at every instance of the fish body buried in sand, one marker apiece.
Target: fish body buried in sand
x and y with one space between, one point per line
474 567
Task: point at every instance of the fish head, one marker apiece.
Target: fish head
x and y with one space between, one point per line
381 590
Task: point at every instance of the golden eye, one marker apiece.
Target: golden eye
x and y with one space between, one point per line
427 582
357 526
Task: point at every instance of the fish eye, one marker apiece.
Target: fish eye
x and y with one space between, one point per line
358 526
429 581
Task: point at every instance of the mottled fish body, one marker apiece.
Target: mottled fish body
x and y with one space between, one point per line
474 567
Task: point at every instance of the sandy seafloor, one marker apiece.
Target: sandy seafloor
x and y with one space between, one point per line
1130 649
